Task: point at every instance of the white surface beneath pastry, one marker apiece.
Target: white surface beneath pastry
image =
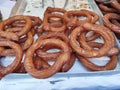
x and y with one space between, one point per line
6 7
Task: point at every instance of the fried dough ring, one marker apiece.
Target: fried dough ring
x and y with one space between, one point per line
10 20
106 21
53 55
48 27
19 53
61 60
103 31
59 11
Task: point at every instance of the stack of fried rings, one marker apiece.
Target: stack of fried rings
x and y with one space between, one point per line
60 40
111 16
86 50
16 36
112 21
24 33
112 7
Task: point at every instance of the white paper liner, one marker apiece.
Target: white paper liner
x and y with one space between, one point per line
6 7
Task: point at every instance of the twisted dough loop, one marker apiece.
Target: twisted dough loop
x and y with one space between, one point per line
19 53
9 21
106 21
104 32
48 27
61 60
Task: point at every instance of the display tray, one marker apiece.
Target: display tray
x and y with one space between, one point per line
77 69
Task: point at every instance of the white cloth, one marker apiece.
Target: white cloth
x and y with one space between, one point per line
80 82
6 7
